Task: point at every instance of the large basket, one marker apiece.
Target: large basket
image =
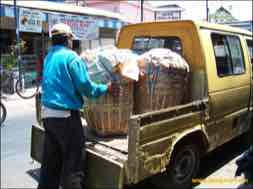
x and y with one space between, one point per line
110 115
166 90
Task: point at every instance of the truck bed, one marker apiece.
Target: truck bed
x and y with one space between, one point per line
140 154
107 153
119 143
114 145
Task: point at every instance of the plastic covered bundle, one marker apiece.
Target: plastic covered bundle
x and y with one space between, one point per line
165 58
96 70
102 64
109 115
165 76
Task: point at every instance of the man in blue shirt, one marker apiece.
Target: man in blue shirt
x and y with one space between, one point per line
65 82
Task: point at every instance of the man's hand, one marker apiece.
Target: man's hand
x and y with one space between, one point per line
114 89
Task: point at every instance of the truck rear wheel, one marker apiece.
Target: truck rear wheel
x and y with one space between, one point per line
183 167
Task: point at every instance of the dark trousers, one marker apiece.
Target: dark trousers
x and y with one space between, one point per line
64 153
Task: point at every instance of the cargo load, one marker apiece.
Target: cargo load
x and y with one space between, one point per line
163 84
109 115
152 81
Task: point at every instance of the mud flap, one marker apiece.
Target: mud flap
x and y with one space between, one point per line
104 173
37 141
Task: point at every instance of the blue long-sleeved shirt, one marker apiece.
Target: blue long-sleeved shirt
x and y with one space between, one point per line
66 80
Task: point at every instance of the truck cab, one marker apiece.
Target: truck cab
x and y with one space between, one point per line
166 145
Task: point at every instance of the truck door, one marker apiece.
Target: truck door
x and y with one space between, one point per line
229 85
250 47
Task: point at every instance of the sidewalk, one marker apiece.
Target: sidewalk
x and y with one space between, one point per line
15 143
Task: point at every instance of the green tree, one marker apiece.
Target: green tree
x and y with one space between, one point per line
10 60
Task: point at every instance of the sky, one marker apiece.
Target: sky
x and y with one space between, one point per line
196 10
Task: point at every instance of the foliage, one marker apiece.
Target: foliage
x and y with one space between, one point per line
9 61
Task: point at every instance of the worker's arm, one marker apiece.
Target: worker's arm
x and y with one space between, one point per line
82 82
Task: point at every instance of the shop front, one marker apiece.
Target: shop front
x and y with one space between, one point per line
32 36
35 22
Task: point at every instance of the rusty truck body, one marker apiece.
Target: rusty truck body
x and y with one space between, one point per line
170 142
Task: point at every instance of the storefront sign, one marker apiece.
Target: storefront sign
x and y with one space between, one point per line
169 15
109 23
8 11
30 20
84 27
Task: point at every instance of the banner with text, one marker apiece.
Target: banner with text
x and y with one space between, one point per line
30 20
84 27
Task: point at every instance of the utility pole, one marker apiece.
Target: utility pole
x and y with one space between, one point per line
142 2
207 11
17 49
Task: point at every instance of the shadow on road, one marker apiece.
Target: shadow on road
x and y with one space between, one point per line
221 156
245 186
34 173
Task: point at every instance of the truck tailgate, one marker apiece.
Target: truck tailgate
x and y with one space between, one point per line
105 164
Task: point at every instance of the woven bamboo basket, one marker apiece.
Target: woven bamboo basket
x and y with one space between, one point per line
108 115
168 89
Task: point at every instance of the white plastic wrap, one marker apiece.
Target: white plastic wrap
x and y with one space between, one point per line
166 58
103 64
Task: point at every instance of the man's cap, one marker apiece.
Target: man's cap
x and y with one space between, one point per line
61 29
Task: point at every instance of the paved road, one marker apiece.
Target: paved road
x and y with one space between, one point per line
17 170
15 143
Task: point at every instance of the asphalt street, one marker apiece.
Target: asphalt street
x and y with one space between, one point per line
15 143
19 171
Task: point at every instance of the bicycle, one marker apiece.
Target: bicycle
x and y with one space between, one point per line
3 112
26 86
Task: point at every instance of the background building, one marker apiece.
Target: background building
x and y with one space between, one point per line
168 12
130 10
93 27
222 15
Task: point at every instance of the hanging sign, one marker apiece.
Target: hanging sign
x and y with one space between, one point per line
8 11
30 20
84 27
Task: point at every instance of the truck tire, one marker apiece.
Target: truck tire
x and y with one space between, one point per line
182 169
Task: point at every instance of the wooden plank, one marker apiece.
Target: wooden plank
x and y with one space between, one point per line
103 172
158 130
133 145
118 142
37 141
168 113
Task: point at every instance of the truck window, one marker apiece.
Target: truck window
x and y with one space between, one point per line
143 44
250 46
228 55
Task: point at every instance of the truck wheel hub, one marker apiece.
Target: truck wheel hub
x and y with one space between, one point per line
184 165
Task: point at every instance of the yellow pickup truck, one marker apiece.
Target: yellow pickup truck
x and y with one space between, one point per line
169 143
